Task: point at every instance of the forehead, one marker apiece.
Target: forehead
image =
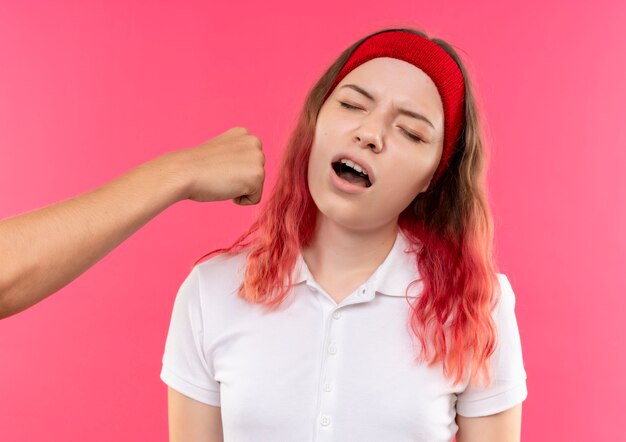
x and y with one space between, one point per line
397 80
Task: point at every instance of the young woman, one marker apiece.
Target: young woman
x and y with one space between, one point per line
367 306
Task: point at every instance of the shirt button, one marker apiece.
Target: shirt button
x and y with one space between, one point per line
336 314
332 349
328 387
325 420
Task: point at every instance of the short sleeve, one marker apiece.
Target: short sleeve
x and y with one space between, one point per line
185 366
507 367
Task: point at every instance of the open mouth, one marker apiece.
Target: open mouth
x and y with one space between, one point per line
350 175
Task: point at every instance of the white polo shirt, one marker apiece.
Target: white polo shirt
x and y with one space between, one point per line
320 371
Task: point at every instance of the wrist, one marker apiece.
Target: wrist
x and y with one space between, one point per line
169 175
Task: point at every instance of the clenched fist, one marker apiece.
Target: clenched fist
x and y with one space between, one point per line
229 166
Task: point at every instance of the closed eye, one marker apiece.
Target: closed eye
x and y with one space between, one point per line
348 106
413 137
408 134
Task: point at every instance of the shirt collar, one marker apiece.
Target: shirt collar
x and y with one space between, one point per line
392 277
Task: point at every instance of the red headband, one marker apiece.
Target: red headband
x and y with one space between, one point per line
435 62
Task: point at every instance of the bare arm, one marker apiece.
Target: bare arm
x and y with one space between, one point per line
505 426
193 421
43 250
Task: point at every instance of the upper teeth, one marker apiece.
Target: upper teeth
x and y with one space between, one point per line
354 165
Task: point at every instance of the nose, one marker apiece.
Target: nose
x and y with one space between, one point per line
369 138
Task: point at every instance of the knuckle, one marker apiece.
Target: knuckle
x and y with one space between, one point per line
250 189
256 141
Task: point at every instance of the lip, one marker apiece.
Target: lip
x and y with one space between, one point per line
344 185
361 162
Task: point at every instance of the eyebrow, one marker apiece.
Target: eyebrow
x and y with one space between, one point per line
400 110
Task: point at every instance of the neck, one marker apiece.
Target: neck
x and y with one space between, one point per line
341 253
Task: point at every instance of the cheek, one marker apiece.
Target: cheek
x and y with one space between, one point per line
314 161
404 183
316 170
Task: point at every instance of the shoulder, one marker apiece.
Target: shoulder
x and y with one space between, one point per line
219 279
221 273
505 293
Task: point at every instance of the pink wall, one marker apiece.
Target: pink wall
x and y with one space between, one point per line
88 91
